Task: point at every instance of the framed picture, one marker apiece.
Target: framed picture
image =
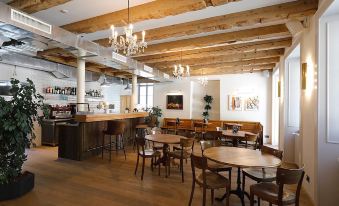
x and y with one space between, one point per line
175 102
235 103
252 103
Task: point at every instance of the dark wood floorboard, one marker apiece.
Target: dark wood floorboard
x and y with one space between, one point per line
100 182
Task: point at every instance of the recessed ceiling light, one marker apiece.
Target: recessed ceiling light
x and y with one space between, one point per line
64 11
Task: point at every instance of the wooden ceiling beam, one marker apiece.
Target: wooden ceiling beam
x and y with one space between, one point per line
152 10
277 14
222 59
218 51
269 32
33 6
251 62
232 70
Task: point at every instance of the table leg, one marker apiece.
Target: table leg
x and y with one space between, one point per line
238 191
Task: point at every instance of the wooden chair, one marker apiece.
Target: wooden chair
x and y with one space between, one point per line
145 153
212 135
199 129
207 180
276 193
183 153
211 165
262 174
171 127
251 141
116 129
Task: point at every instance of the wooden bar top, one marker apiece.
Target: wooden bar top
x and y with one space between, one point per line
107 117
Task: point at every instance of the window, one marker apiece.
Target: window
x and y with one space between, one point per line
145 95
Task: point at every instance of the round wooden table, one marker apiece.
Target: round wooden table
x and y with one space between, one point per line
236 137
165 139
240 158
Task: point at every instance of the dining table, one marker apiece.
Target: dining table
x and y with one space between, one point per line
166 140
236 136
240 158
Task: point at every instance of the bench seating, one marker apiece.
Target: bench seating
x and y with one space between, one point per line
254 127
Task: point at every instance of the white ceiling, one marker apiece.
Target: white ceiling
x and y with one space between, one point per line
84 9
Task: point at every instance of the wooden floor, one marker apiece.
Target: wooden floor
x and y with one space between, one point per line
99 182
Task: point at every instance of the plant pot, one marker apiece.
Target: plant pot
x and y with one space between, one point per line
20 186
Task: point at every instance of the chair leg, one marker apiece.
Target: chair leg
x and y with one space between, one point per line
204 196
212 196
243 181
251 199
182 169
143 168
259 202
230 176
136 166
152 164
123 145
192 192
103 146
110 148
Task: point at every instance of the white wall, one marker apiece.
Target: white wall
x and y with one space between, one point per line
247 85
161 90
198 104
328 152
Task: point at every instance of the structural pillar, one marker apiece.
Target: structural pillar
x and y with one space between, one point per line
81 71
134 98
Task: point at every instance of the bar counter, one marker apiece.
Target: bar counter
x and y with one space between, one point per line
83 138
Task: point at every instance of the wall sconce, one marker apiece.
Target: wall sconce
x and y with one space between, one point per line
279 89
303 76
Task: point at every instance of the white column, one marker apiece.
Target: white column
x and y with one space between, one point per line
134 98
81 71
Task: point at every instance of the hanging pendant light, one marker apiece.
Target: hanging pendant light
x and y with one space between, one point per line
179 70
105 83
128 87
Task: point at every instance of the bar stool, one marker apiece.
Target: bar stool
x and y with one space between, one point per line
116 129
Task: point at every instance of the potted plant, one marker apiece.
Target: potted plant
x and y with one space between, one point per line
153 116
17 117
208 100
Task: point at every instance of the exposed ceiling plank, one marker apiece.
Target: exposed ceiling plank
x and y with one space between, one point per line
32 6
218 51
269 32
232 70
153 10
221 59
276 14
251 62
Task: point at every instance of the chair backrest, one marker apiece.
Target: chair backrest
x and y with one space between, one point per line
171 124
205 144
212 135
187 143
116 127
272 151
289 177
141 143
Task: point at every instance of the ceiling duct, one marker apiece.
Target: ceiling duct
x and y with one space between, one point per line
39 35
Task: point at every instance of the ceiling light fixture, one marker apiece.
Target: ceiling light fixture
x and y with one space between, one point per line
179 70
203 79
105 83
129 44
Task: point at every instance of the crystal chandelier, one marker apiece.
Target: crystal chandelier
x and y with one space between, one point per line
129 43
179 70
203 80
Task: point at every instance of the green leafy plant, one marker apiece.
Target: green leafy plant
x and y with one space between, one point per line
46 109
208 100
153 115
17 117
